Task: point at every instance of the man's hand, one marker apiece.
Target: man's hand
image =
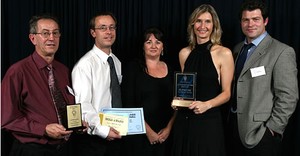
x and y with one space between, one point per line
56 131
113 134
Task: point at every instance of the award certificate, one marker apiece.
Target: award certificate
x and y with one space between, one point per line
118 122
136 123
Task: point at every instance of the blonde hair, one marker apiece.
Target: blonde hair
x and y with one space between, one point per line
216 34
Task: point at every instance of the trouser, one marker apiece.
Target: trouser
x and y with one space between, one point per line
269 145
35 149
91 145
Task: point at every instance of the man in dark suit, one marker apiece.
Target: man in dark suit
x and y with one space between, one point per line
265 90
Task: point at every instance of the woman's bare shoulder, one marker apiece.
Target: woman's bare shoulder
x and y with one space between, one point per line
220 50
185 51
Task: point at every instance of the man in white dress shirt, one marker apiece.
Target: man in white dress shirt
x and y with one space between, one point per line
91 84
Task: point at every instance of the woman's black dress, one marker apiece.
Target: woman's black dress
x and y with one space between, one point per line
202 134
154 95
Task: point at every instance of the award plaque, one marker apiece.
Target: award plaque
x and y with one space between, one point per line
73 119
185 89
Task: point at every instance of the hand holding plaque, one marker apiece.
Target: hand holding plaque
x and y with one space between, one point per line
73 120
185 89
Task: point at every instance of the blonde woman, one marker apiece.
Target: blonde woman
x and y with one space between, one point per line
198 129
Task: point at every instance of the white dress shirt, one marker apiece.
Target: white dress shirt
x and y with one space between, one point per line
91 84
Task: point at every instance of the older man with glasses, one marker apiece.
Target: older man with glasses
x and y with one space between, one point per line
28 107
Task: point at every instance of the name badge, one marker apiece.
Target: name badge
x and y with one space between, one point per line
70 90
258 71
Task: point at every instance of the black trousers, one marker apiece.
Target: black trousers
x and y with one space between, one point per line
34 149
269 145
91 145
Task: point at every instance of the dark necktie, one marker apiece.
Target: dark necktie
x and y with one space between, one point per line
238 68
57 97
114 85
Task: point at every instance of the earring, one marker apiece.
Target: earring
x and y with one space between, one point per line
162 53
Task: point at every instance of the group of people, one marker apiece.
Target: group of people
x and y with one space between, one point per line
258 80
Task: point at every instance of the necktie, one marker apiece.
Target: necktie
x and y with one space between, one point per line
57 97
238 68
114 85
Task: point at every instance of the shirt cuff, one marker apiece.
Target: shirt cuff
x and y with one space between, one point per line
99 130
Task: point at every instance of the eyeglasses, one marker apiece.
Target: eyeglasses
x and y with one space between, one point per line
103 28
46 34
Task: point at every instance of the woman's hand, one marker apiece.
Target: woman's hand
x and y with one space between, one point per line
200 107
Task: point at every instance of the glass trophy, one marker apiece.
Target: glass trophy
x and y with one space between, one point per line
185 89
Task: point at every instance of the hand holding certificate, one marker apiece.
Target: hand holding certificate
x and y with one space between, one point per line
134 116
118 122
185 89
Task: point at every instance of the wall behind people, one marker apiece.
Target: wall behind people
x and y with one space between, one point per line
133 17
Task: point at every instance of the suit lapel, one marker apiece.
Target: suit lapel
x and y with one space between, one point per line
257 54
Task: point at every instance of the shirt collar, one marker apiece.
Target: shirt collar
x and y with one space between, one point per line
101 54
39 61
258 39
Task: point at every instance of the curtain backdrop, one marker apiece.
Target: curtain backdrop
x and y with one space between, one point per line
133 17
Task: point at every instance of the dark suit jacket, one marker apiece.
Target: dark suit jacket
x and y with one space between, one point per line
266 100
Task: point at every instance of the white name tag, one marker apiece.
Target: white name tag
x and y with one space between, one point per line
70 90
258 71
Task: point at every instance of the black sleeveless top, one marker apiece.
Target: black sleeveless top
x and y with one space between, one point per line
200 134
200 61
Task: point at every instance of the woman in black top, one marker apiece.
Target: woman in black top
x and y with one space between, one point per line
148 83
198 129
